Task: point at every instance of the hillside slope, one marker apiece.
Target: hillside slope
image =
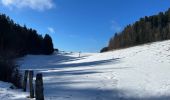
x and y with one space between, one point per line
137 73
145 30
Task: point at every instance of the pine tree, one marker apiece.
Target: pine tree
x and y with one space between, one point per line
48 45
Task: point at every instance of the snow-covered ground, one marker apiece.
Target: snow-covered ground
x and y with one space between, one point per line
6 93
137 73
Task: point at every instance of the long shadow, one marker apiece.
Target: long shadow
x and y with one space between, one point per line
65 89
55 89
54 70
66 58
68 73
60 58
41 61
70 93
87 64
54 66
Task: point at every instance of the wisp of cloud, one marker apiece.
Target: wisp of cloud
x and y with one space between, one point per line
39 5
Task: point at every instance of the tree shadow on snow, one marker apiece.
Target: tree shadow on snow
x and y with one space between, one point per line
65 91
60 88
88 64
46 61
68 73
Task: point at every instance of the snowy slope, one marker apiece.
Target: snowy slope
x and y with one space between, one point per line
137 73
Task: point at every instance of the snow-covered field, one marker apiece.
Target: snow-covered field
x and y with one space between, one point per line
137 73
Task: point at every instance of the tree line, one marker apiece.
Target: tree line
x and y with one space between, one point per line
17 41
22 40
147 29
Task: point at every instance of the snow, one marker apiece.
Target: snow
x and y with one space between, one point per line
8 94
136 73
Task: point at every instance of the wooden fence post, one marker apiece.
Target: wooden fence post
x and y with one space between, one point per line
24 85
31 73
39 90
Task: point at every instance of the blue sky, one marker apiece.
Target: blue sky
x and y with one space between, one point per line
80 25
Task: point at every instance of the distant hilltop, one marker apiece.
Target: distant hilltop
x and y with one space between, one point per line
147 29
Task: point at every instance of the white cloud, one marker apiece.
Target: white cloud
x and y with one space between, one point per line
39 5
115 26
51 30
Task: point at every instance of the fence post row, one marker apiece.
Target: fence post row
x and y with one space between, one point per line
39 90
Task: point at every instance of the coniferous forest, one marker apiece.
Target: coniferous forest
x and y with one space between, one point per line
21 40
17 41
147 29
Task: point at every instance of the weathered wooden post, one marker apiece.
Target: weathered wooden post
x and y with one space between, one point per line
39 90
31 84
24 85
